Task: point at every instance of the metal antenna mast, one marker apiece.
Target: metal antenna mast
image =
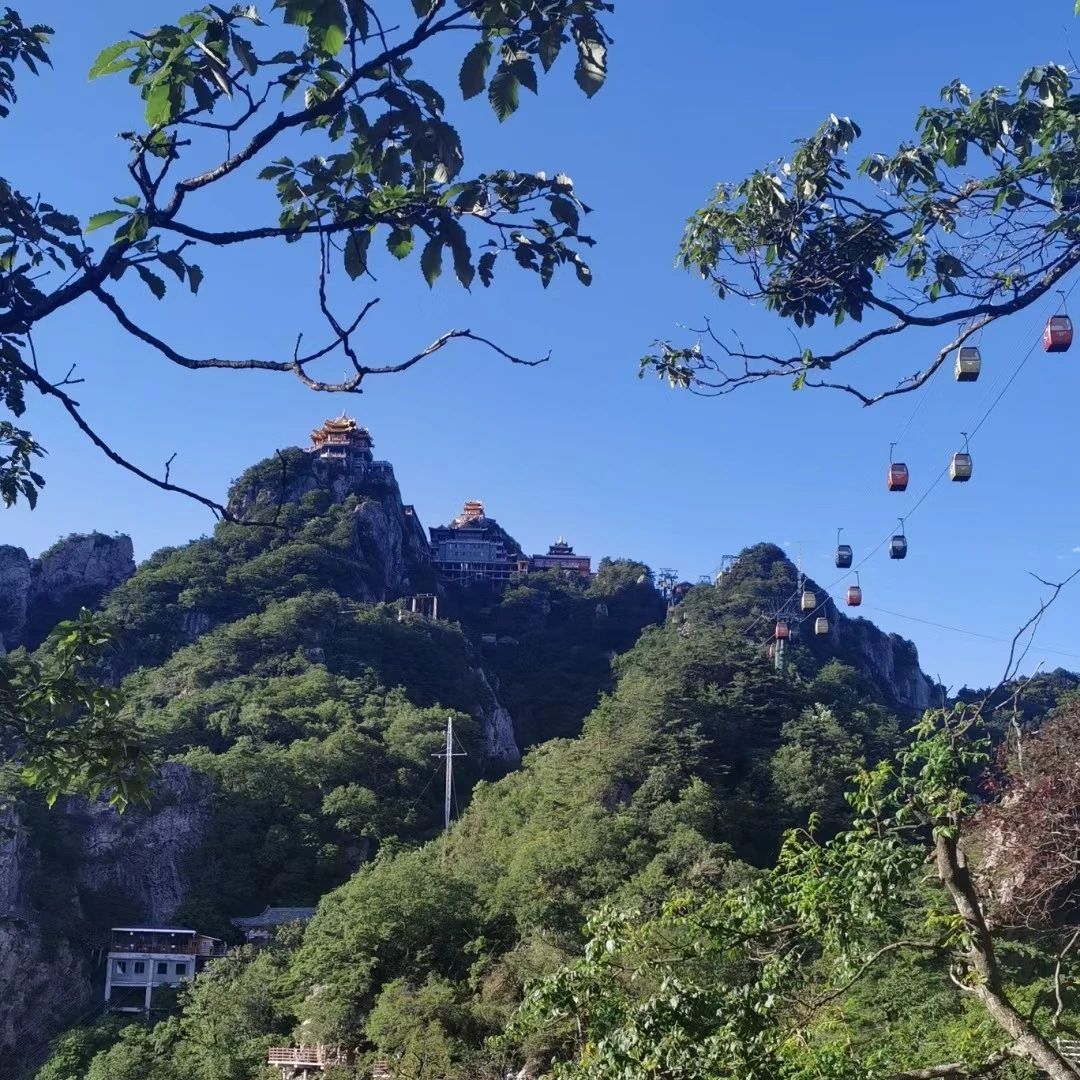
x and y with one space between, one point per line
449 754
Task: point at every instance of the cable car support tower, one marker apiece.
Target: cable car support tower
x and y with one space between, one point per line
449 753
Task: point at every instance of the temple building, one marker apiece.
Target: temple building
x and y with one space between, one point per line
260 929
143 959
472 548
342 441
560 556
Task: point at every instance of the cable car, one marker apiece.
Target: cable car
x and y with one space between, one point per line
821 625
782 630
898 544
854 593
960 468
843 552
898 476
1057 337
968 363
960 465
808 601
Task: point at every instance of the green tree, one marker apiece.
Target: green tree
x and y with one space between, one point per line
382 162
884 241
751 982
62 728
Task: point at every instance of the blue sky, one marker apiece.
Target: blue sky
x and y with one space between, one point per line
581 447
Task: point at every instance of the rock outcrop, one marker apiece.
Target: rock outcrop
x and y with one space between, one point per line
76 572
135 866
388 540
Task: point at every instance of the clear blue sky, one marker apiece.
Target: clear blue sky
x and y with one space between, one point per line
699 91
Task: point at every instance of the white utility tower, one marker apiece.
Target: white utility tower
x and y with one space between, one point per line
449 753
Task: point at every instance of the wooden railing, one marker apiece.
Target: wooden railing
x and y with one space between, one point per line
318 1057
1069 1049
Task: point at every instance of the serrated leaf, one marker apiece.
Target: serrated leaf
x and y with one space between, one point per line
175 263
423 8
400 242
503 93
326 30
109 59
155 284
486 267
473 75
431 260
359 13
550 44
245 54
159 105
128 200
356 248
525 72
106 217
194 276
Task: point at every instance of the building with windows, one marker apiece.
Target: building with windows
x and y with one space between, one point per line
342 441
143 959
560 556
472 548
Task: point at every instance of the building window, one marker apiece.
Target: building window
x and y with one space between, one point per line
120 967
181 969
162 968
140 967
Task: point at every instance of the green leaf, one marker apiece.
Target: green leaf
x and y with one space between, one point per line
503 93
106 217
473 76
159 105
486 267
356 248
128 200
551 41
525 72
359 13
108 60
431 260
400 242
155 284
326 30
245 54
195 276
423 8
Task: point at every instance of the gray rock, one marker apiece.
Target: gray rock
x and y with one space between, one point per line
14 595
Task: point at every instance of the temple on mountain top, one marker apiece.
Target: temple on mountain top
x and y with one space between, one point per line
343 441
561 556
473 548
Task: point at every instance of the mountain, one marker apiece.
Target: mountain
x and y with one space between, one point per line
298 707
76 572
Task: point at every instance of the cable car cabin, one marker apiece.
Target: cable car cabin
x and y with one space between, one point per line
1057 337
808 601
854 595
782 630
898 476
960 468
968 363
821 625
898 547
843 556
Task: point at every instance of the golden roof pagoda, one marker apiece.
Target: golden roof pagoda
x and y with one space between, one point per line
342 438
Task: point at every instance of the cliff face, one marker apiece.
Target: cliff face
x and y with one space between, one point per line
76 572
386 537
134 867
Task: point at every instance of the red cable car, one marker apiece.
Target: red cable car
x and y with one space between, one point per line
898 476
1057 337
782 630
854 593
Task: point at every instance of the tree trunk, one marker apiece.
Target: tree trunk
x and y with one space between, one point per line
982 960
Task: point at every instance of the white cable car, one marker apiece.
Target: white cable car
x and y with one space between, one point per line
821 625
968 363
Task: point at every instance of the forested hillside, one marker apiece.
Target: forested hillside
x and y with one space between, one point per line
300 709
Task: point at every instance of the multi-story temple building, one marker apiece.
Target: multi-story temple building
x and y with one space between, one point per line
473 548
560 556
343 441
